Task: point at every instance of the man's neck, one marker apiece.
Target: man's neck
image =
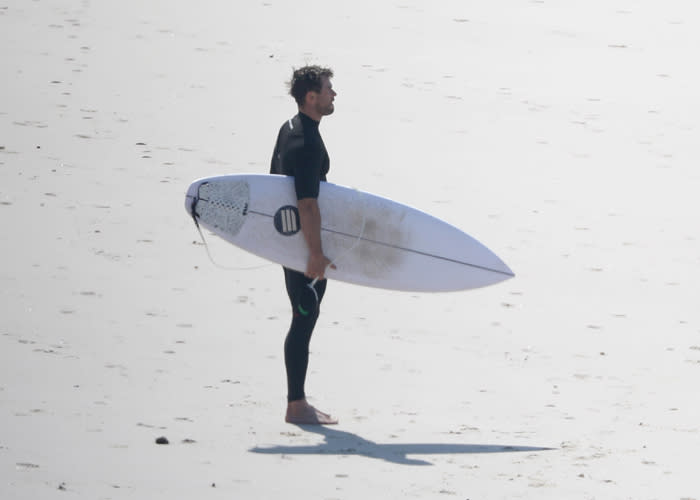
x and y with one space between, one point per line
314 116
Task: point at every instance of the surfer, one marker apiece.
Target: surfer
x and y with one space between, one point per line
300 153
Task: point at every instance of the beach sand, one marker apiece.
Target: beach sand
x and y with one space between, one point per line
564 135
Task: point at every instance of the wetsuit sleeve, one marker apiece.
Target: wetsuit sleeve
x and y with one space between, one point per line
301 154
307 173
276 162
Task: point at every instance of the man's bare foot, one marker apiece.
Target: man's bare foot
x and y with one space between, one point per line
302 413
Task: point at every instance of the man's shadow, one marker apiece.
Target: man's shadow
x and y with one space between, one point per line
345 443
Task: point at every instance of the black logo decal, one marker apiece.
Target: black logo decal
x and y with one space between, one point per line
287 220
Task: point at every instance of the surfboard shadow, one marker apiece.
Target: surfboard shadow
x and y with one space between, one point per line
344 443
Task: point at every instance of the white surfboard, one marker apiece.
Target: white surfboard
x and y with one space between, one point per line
373 241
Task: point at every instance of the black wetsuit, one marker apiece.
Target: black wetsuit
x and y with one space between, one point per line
300 153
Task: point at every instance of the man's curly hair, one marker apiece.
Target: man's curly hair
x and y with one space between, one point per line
307 79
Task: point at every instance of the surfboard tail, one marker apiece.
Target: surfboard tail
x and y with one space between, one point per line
222 205
191 199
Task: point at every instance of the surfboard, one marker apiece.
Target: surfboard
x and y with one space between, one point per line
372 240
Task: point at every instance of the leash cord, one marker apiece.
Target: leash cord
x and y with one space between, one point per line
347 251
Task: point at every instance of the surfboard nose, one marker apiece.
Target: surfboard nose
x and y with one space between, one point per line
506 271
509 272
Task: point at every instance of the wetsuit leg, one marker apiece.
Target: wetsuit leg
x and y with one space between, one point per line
305 311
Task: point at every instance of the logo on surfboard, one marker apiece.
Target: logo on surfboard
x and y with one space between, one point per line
287 220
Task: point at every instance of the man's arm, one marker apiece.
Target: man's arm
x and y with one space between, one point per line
310 218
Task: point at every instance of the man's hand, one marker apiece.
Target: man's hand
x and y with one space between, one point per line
317 265
310 217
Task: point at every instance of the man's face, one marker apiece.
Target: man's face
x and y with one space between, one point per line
324 99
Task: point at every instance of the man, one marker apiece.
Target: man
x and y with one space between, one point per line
300 152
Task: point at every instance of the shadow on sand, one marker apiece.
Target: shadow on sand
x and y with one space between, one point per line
345 443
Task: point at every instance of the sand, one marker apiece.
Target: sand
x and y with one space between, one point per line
564 135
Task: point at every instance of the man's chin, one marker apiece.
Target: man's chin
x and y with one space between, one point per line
328 110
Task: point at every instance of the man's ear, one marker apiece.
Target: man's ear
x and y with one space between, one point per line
310 97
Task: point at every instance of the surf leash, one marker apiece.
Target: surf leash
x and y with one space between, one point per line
348 250
206 246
